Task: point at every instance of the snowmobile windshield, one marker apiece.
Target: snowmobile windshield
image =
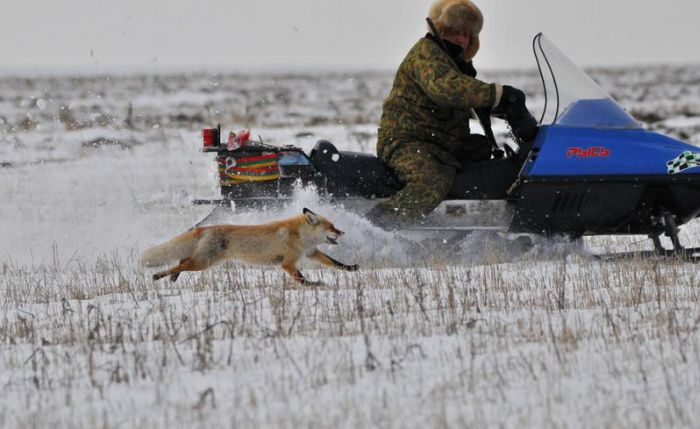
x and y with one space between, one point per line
572 97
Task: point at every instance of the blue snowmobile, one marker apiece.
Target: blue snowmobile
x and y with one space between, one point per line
591 170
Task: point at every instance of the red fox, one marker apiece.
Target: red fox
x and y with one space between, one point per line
282 243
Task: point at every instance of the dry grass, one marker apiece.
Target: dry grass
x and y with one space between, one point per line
536 344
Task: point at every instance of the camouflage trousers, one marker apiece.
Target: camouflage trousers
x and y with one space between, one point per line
427 182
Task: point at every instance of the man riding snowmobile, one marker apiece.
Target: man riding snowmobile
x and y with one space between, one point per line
424 131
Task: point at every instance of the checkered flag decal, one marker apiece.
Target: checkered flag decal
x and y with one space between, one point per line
683 161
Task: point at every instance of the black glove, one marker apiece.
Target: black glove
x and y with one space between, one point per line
512 108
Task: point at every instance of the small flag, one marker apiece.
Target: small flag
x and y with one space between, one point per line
683 162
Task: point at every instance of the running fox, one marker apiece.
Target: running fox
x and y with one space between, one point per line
282 243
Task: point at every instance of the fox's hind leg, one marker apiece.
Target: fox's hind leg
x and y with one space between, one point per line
187 264
160 275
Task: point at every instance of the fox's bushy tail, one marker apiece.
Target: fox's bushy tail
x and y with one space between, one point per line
176 249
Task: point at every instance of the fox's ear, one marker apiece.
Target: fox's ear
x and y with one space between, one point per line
311 217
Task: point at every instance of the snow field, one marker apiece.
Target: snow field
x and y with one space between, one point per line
567 343
551 339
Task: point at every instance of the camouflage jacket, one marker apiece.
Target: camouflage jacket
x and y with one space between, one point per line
430 103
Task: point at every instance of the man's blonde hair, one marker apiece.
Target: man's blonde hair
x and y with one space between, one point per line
457 17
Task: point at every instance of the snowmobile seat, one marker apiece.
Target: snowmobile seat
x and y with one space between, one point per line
354 173
363 174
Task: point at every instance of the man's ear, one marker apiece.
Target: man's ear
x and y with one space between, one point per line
311 217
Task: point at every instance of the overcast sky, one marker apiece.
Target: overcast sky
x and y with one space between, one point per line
95 35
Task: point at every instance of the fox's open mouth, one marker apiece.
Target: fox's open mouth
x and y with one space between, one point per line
332 239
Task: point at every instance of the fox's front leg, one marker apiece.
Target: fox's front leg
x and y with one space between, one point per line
293 271
324 259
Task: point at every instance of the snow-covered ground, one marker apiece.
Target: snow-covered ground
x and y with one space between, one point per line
95 169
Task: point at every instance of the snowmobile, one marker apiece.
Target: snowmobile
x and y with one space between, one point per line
591 170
